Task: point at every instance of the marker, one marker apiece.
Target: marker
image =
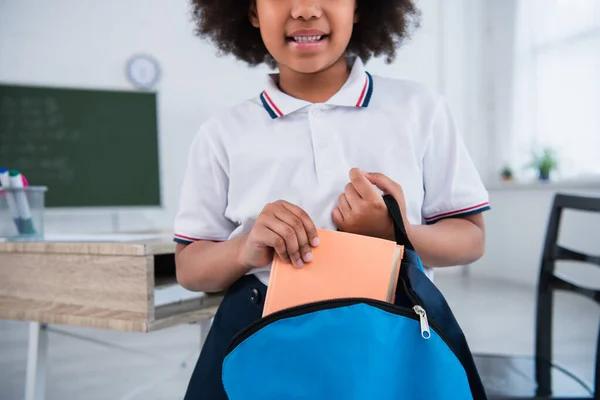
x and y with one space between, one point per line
10 199
16 182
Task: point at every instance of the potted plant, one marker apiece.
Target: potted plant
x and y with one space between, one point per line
544 162
506 173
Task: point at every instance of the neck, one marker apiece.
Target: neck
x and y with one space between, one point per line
316 87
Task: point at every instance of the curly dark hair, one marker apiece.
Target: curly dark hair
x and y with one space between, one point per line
382 28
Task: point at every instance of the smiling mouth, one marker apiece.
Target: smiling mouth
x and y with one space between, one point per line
307 39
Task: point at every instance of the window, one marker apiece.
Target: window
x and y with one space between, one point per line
554 99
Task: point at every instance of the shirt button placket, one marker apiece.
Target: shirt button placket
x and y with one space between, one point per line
320 141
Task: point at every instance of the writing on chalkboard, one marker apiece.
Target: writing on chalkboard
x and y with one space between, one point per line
41 123
76 141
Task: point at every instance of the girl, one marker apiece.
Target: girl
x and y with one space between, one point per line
263 175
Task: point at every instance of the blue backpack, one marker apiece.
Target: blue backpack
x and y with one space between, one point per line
358 348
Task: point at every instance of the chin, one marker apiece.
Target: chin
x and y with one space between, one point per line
307 69
309 65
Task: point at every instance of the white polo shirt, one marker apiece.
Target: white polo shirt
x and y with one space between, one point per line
276 147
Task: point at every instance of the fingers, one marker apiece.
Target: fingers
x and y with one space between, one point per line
290 231
385 184
285 241
309 226
362 185
297 242
344 205
338 218
272 239
388 186
352 196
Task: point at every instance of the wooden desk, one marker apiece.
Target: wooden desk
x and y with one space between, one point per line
107 285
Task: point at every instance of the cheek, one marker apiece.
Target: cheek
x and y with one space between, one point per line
342 25
272 21
273 43
271 29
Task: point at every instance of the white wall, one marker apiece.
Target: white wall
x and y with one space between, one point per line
77 43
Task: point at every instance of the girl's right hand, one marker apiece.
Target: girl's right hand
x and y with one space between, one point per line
284 228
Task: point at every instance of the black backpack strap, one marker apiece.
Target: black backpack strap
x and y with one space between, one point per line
399 228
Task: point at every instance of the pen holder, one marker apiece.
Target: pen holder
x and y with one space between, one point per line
22 213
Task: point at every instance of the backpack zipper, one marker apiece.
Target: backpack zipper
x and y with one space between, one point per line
425 322
416 313
425 333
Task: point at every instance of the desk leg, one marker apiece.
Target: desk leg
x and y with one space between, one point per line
204 328
35 386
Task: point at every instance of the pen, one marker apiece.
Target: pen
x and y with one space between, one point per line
10 199
16 181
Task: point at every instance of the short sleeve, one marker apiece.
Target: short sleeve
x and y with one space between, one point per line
453 187
203 196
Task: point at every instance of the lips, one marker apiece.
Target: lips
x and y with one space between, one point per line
307 36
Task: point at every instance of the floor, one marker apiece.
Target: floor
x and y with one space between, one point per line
86 364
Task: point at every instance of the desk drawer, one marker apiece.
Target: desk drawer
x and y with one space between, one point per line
100 290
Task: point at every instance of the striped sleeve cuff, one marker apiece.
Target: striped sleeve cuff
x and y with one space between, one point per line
184 239
459 213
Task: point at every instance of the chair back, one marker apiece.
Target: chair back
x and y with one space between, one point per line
550 281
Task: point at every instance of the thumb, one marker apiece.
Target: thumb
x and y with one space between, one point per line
383 183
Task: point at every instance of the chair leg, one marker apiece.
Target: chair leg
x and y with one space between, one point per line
35 386
597 376
545 305
543 373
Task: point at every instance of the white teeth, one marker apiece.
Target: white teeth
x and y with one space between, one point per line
307 39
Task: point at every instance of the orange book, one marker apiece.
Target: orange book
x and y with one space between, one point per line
344 265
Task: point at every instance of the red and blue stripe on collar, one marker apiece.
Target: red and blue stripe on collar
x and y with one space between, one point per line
366 92
363 100
270 106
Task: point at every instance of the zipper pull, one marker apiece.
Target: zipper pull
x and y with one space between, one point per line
425 333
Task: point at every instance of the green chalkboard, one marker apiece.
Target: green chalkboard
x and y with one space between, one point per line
91 148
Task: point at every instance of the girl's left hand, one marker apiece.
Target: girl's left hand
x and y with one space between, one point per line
361 209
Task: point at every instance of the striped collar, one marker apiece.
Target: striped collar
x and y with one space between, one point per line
356 92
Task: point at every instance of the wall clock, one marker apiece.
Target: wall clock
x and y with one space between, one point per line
143 71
